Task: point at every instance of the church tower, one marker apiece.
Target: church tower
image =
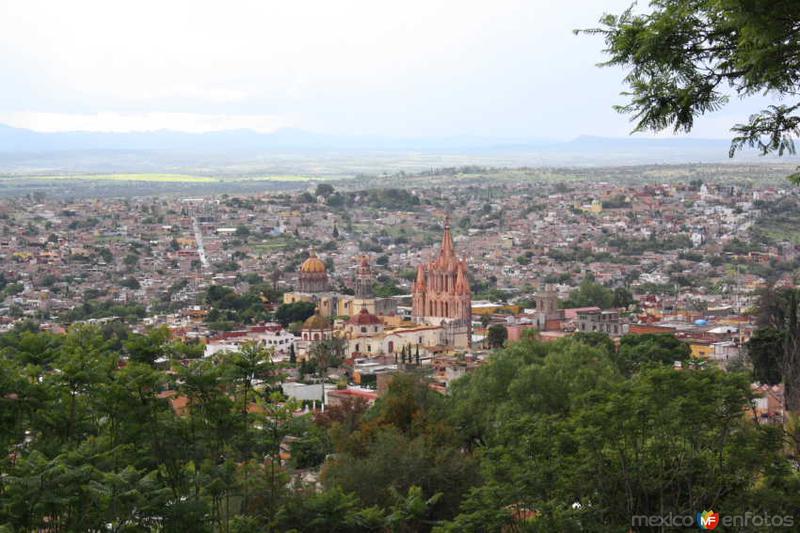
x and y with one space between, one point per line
363 286
442 290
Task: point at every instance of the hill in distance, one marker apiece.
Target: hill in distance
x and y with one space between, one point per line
25 151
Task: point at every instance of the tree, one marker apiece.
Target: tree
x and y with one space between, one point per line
637 351
765 349
565 434
324 190
333 510
622 298
131 260
684 56
406 440
294 312
497 335
590 294
327 353
781 311
244 368
149 347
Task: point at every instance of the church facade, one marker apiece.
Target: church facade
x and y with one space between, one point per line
442 295
314 286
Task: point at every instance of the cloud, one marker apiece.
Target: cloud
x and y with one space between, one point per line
506 68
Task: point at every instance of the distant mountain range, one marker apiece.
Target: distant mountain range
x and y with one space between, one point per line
23 140
23 150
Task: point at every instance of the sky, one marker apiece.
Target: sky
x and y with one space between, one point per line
410 68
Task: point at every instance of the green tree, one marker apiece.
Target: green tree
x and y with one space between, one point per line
637 351
765 349
683 57
148 347
622 298
328 353
564 434
294 312
324 190
497 335
590 294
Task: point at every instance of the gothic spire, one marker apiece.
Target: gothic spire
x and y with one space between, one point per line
448 250
419 285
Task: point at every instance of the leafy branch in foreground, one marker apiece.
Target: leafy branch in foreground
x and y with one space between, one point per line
685 57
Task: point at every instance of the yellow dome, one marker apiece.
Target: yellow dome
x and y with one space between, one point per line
313 265
316 321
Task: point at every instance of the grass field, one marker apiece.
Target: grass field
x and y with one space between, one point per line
277 243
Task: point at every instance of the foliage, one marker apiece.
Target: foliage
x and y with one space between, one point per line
497 335
566 441
682 58
517 444
765 349
227 305
294 312
406 441
590 294
96 442
637 351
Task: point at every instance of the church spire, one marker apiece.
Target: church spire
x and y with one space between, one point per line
448 250
462 285
419 285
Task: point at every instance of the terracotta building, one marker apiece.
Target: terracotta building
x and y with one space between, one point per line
441 292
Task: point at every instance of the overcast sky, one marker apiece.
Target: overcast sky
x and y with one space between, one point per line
412 68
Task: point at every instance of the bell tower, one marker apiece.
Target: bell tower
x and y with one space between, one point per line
364 280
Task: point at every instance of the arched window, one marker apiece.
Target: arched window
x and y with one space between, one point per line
316 336
391 346
363 329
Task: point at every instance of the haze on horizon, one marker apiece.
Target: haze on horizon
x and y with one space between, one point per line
430 68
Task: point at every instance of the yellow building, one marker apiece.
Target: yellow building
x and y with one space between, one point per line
701 350
313 284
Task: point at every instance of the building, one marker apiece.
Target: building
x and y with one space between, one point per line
268 336
313 277
315 329
603 321
363 282
442 295
548 312
313 286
